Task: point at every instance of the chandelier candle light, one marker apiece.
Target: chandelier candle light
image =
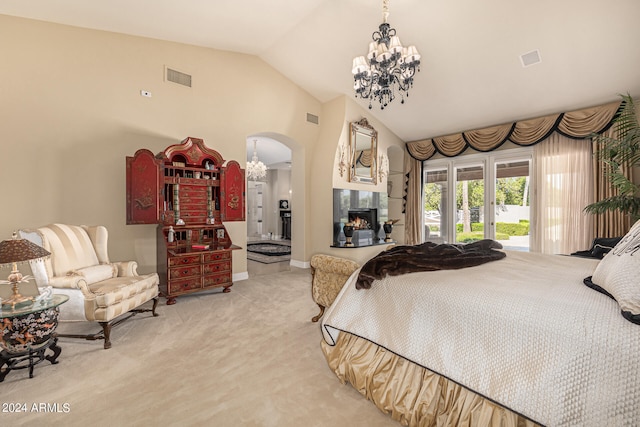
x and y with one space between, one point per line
388 67
255 168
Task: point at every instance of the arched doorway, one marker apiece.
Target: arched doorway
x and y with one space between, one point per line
270 204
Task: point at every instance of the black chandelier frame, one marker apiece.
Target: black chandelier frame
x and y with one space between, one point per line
383 78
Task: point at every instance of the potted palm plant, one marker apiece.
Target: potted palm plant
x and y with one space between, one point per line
618 152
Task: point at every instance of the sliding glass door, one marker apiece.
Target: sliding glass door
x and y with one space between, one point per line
470 203
479 196
511 201
436 205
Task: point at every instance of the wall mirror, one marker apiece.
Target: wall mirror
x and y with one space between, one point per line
363 148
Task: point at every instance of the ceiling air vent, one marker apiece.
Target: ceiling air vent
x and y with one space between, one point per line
312 118
178 77
530 58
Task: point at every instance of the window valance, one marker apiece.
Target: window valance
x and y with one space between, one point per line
577 124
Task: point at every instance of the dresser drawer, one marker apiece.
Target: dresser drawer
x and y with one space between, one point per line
184 285
193 217
194 201
192 191
216 267
214 280
184 271
184 260
217 256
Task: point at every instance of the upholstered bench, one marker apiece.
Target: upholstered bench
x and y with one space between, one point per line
98 289
329 274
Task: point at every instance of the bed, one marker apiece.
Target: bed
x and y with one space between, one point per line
520 341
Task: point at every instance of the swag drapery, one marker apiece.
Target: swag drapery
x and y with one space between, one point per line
579 124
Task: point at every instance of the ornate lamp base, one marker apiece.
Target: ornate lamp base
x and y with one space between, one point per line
16 298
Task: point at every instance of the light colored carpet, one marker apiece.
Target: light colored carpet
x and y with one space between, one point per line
250 357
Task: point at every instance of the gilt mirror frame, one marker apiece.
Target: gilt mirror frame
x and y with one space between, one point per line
363 149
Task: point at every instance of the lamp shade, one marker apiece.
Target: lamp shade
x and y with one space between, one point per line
412 54
394 45
359 65
20 250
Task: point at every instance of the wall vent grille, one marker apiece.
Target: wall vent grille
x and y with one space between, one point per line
312 118
178 77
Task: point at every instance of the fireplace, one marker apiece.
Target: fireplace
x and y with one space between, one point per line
366 210
365 225
363 219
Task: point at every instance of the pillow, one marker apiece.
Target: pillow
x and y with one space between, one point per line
618 274
96 273
602 246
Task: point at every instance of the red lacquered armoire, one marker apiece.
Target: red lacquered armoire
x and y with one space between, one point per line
189 191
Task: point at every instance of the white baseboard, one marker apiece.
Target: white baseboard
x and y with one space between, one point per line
299 264
236 277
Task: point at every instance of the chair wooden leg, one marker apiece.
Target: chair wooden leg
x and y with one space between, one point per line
316 318
155 304
106 329
106 326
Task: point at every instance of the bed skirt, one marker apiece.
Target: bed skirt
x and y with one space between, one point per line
409 393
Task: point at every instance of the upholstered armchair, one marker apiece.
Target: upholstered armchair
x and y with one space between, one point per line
329 274
99 290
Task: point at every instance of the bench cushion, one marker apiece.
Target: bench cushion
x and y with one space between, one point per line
119 295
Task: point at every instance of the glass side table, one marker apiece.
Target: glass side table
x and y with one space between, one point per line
26 332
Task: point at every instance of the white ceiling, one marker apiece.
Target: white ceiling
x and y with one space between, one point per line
471 71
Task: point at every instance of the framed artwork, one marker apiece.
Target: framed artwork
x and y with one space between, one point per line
284 204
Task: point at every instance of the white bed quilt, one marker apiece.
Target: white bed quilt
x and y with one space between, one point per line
523 331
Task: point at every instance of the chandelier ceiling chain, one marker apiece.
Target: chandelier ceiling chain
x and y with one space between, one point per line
255 168
388 67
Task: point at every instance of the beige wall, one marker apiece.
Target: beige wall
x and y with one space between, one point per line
336 116
71 111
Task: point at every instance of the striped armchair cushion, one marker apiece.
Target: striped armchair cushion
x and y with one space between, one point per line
71 249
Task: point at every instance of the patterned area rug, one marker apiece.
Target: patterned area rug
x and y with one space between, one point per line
268 252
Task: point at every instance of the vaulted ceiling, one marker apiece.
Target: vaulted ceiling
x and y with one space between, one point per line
471 74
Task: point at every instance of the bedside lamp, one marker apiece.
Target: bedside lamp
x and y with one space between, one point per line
16 251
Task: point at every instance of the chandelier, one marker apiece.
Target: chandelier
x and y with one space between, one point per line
388 68
255 168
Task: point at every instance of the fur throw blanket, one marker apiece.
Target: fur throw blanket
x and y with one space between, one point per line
427 257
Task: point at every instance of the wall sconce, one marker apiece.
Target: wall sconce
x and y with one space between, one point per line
383 169
342 157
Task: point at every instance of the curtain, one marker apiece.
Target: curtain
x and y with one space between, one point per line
563 176
577 125
413 201
609 224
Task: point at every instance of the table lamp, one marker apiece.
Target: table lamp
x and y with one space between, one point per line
16 251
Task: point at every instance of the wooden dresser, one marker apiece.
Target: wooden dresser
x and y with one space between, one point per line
189 191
